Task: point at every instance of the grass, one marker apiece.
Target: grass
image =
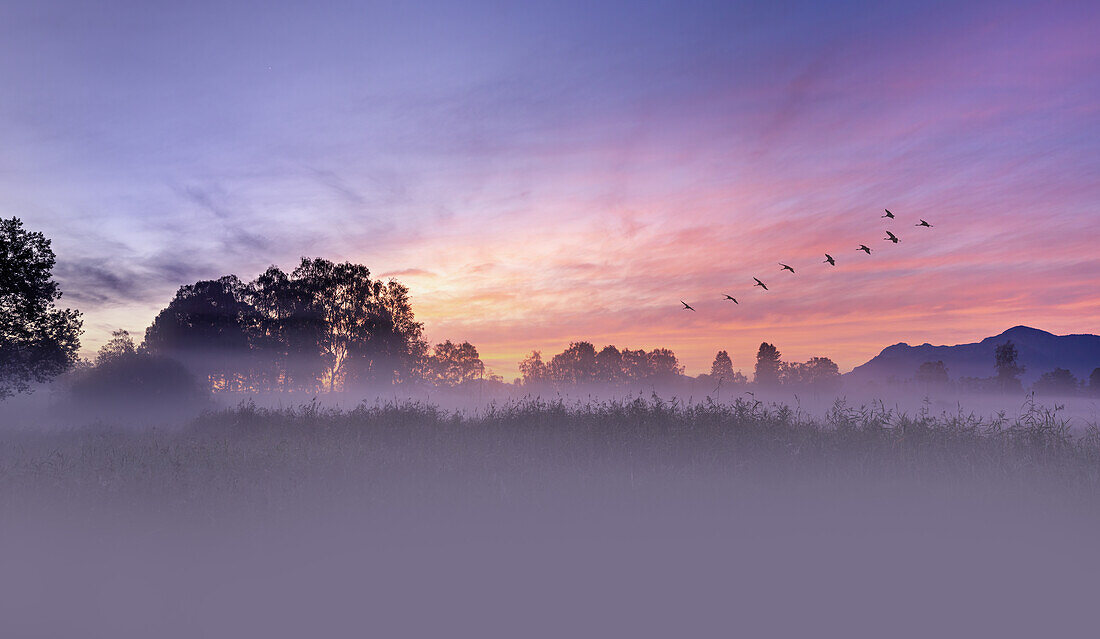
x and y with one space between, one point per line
535 451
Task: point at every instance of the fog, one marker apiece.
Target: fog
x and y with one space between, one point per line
580 514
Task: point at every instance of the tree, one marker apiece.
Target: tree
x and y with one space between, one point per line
37 340
452 364
1094 381
286 338
574 365
369 332
767 365
120 345
819 373
722 367
1057 382
932 374
534 370
394 350
822 373
1008 372
323 325
209 327
664 365
345 297
637 366
124 377
609 365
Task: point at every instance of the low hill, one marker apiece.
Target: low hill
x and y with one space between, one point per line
1039 351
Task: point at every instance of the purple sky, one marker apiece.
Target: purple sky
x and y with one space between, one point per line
538 173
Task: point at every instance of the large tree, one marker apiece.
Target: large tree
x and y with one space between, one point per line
1005 360
609 365
932 374
451 364
208 327
38 341
288 331
369 331
574 365
768 365
722 367
534 370
325 325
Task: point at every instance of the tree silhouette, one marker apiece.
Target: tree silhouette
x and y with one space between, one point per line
394 348
722 367
286 338
534 370
125 376
452 364
1008 372
323 325
663 365
932 374
37 340
609 365
820 373
574 365
1057 382
119 346
767 365
208 327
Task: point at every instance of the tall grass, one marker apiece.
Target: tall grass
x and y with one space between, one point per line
527 450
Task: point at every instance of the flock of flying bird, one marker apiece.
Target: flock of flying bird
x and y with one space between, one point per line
890 237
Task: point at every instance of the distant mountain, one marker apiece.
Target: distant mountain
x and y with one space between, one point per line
1040 352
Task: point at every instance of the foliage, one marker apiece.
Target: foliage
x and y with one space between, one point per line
768 365
325 325
452 364
37 340
1056 382
819 373
123 376
722 367
932 374
581 364
1005 359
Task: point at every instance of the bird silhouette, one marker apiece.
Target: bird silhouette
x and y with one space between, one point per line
785 267
760 284
732 299
923 223
830 260
686 306
888 214
891 237
865 248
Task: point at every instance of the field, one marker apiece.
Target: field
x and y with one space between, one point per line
631 516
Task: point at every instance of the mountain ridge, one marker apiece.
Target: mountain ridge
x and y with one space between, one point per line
1039 352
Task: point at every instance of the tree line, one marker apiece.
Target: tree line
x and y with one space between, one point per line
327 326
1006 377
581 363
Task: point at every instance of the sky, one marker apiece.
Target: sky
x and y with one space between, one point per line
544 172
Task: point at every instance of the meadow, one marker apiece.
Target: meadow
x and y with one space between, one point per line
637 516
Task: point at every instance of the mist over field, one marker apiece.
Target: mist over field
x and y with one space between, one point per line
640 517
439 319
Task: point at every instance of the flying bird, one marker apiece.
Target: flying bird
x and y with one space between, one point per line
865 248
785 267
732 299
830 260
888 214
686 306
923 223
891 237
760 284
